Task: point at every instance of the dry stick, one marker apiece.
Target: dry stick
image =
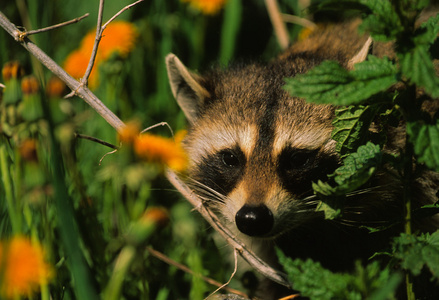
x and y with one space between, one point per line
182 267
120 11
98 37
84 93
248 255
30 32
279 26
81 90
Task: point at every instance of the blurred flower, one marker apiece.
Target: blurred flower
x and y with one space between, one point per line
130 132
30 85
22 268
12 69
118 37
161 150
28 150
158 215
55 87
207 7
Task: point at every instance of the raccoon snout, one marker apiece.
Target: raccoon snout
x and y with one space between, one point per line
254 220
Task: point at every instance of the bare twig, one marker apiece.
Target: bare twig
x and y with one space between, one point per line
119 12
96 140
157 125
249 256
98 37
80 90
30 32
224 286
182 267
278 24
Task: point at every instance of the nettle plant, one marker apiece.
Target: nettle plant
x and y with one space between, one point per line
388 92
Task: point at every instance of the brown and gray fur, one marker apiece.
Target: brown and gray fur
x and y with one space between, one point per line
254 151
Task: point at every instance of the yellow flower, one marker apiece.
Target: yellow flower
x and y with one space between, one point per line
118 37
22 267
207 7
161 150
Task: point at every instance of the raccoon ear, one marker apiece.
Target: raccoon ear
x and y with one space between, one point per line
186 87
361 55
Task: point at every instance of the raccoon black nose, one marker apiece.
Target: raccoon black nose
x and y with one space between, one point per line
254 220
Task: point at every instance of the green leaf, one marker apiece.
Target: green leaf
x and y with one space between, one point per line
425 140
415 252
418 67
330 83
315 282
428 31
351 126
383 24
356 170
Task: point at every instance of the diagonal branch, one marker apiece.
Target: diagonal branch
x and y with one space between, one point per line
81 90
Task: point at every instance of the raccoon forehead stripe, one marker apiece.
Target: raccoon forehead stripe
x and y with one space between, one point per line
212 139
309 138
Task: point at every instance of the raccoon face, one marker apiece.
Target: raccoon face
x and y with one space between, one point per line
254 151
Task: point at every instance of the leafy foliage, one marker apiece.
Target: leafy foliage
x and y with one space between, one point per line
315 282
331 83
415 252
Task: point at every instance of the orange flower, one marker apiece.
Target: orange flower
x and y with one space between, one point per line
130 132
118 37
30 85
55 87
22 267
161 150
207 7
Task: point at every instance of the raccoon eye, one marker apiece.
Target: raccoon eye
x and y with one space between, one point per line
297 159
230 159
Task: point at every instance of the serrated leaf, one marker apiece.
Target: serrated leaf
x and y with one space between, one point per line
428 31
425 140
383 23
315 282
351 125
330 83
418 67
356 170
358 167
415 252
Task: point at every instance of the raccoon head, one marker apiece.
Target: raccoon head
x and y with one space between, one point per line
254 151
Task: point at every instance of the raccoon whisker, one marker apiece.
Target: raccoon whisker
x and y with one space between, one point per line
206 193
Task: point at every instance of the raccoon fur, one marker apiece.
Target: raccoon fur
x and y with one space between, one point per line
254 152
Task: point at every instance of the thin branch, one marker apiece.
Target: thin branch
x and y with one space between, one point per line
96 140
30 32
98 37
248 255
224 286
280 29
120 12
182 267
81 90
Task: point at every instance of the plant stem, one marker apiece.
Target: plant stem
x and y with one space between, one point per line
8 189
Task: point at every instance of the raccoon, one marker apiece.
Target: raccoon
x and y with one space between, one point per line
254 152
